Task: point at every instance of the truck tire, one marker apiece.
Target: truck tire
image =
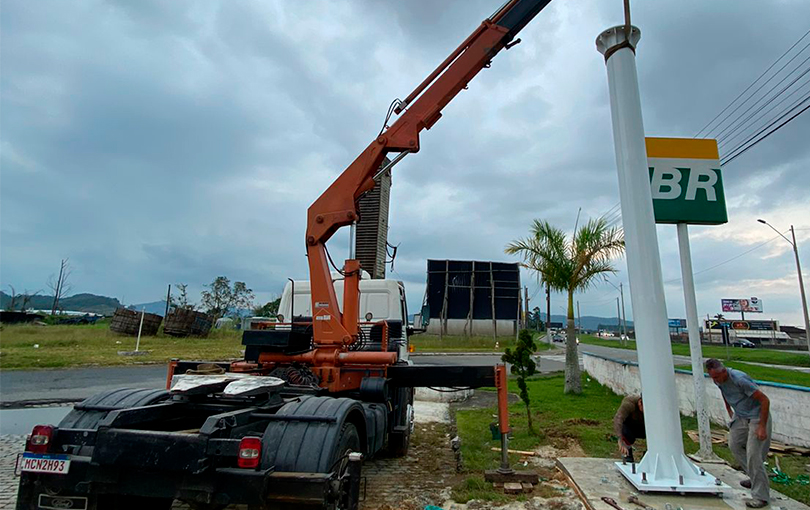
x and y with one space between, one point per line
308 446
348 441
319 443
123 398
399 441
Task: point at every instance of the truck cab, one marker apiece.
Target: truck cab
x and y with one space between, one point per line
379 300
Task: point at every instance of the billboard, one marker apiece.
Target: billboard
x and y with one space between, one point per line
753 305
743 325
677 323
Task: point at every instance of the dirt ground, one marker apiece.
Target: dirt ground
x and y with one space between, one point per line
424 477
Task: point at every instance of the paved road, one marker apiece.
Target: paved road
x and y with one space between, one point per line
631 355
79 383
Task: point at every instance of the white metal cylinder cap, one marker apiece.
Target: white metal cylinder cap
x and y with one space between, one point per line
615 36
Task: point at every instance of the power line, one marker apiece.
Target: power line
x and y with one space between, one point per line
723 132
728 140
773 120
729 260
751 85
777 128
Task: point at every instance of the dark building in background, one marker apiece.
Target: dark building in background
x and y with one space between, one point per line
468 297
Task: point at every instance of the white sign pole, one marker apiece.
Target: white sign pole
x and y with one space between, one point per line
705 453
664 467
140 327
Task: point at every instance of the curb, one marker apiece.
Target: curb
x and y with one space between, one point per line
44 402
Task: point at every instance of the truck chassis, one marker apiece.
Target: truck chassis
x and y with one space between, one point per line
136 448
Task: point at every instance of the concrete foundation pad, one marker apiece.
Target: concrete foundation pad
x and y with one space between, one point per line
597 478
427 412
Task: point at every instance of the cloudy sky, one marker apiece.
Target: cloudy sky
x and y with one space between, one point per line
157 142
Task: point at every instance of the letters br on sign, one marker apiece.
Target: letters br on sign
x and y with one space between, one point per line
687 185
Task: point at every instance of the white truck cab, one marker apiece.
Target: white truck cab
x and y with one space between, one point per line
379 299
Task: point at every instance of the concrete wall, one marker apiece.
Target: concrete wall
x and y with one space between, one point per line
790 405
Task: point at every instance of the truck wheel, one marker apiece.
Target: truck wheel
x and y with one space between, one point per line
349 441
399 441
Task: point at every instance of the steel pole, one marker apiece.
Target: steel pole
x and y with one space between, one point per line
624 316
704 431
801 288
664 466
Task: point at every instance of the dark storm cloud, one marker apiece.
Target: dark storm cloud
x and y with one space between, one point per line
156 142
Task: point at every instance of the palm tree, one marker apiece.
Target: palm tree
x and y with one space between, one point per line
570 266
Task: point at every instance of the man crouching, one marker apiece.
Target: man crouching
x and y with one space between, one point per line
628 424
750 428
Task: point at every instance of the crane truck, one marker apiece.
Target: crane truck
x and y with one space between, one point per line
289 425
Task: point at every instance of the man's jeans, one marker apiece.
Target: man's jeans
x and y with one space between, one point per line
750 453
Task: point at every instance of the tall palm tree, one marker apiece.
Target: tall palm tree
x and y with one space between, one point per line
570 266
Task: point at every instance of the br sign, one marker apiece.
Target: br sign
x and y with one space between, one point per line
687 186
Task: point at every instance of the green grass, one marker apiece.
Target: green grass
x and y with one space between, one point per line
452 343
760 373
73 346
758 355
559 419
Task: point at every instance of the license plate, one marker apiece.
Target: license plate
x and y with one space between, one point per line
61 502
42 463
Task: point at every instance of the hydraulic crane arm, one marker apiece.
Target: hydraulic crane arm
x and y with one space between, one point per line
337 206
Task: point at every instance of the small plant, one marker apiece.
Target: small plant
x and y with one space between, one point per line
523 366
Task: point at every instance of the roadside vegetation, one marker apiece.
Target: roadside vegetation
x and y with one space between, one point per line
574 424
28 347
758 355
570 266
760 373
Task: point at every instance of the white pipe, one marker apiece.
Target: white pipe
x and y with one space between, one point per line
705 452
140 328
352 239
664 467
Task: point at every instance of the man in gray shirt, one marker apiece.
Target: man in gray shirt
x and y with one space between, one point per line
750 428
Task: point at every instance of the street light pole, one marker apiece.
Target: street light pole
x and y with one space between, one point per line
801 280
624 337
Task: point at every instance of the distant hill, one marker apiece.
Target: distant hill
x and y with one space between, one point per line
79 303
589 322
156 307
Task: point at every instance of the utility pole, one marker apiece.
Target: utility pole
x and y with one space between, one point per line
619 321
801 287
801 280
548 313
624 317
526 307
168 300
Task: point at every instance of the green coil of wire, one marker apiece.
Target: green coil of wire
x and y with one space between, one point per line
783 478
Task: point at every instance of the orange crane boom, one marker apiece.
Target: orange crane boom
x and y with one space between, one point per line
334 331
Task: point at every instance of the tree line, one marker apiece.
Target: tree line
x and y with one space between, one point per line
223 299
